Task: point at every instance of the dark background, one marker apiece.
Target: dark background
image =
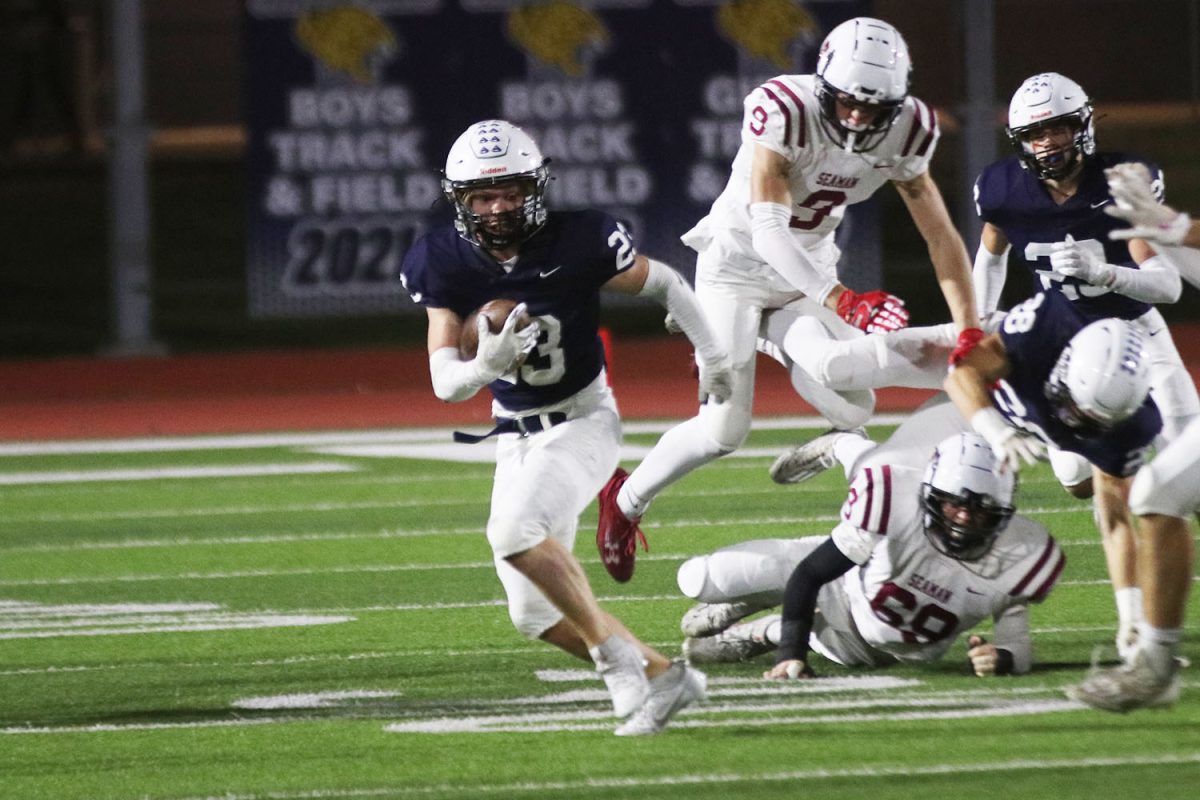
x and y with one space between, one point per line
1138 60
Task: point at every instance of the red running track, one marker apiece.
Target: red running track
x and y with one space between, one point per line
340 389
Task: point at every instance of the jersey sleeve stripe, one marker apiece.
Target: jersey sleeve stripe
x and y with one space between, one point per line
785 111
929 137
919 124
801 127
1040 594
870 497
1047 551
886 511
869 504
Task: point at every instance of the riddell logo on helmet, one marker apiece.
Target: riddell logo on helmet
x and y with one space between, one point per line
492 170
1041 114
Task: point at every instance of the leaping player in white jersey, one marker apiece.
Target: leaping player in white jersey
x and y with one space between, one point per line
927 548
811 146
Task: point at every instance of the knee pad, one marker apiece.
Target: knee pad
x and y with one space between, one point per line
726 425
692 577
1071 469
532 620
1152 494
849 365
510 535
1142 490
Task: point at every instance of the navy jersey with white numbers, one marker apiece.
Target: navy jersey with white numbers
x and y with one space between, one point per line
558 275
1012 199
1035 333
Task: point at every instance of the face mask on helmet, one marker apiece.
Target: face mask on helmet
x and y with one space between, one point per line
495 153
966 499
1050 125
1101 378
863 64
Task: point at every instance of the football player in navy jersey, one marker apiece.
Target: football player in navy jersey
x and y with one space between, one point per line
557 427
1046 204
1051 377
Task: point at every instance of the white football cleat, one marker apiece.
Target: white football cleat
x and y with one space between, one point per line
705 619
1132 685
673 690
741 642
623 669
811 458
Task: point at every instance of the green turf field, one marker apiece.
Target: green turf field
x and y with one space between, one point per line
309 618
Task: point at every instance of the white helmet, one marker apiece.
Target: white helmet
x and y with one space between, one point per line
866 61
965 475
1101 378
1045 99
488 153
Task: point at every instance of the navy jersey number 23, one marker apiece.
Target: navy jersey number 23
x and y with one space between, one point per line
558 275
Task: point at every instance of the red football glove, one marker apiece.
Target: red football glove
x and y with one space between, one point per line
873 312
966 343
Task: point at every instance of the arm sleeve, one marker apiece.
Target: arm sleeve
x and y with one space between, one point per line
454 380
773 242
989 274
1154 281
668 287
1012 635
1184 259
821 566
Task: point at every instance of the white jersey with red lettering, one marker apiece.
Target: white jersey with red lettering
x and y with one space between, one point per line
910 600
782 114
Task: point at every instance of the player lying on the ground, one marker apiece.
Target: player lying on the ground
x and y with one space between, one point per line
915 563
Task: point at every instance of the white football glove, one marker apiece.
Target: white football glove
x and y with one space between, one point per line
716 379
1134 201
501 352
1070 259
1013 448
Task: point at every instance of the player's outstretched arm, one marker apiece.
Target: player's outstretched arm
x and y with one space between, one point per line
946 248
654 279
1154 280
968 386
1135 201
821 566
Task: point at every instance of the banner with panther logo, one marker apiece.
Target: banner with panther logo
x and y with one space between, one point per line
351 107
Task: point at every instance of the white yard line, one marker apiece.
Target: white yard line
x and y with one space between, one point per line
882 772
160 473
161 444
477 499
349 569
532 649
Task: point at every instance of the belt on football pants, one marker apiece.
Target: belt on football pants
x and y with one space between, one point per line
526 426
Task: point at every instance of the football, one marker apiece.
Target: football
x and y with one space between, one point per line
497 312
